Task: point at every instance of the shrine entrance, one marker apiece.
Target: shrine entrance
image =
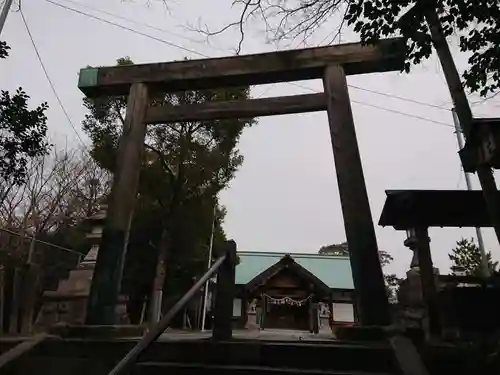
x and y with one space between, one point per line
288 296
142 83
286 313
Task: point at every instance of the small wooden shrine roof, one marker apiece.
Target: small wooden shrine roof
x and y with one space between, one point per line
334 271
406 209
287 262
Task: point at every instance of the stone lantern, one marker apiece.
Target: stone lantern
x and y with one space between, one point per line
68 303
410 294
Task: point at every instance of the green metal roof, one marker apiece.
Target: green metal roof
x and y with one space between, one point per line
334 271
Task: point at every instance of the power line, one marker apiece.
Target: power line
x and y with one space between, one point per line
265 91
48 78
41 242
435 106
213 47
442 123
269 88
127 28
401 98
168 32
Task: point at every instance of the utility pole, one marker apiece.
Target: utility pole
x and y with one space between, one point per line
209 264
30 278
31 250
29 290
485 269
5 11
462 107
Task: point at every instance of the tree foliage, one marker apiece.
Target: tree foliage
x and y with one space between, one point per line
341 250
185 165
23 134
466 257
475 22
391 280
60 192
4 49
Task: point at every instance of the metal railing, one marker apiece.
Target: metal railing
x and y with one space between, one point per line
152 335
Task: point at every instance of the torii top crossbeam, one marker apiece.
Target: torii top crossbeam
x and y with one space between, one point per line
272 67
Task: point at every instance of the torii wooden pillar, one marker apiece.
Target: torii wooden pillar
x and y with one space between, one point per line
108 271
332 64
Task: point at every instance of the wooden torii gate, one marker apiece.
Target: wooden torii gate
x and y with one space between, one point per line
331 64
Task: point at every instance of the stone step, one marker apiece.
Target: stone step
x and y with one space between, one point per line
154 368
97 357
338 356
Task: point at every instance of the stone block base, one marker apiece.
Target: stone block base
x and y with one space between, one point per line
70 309
97 332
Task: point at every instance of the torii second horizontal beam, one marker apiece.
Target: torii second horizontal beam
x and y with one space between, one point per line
242 109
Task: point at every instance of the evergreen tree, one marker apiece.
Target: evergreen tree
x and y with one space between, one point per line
23 134
391 280
185 166
467 257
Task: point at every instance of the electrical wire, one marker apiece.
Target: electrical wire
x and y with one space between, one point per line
213 47
49 80
41 242
442 123
383 94
271 86
128 29
435 106
168 32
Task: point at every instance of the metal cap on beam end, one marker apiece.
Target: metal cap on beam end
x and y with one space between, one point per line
87 77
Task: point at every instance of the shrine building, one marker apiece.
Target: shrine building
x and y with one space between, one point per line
293 291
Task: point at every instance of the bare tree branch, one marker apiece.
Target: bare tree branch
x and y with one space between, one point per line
162 159
487 99
284 20
62 189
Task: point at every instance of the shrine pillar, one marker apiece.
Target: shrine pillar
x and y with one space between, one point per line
370 294
106 282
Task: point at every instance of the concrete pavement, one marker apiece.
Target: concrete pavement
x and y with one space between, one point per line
267 334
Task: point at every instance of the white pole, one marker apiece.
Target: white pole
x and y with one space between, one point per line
485 270
209 264
4 13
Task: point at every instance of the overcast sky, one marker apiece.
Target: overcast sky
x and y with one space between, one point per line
285 196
